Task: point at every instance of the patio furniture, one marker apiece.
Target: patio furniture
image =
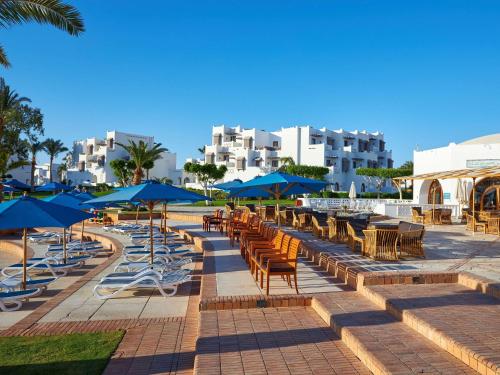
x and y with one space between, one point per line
493 225
286 217
167 285
272 239
16 298
354 239
270 213
380 244
305 224
337 229
410 239
278 246
215 221
445 216
319 229
295 220
475 225
417 215
284 266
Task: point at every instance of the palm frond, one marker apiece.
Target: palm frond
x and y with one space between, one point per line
4 61
17 163
54 12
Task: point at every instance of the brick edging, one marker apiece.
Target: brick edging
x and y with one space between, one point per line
254 301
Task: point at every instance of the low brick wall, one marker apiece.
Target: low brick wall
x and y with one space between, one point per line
15 249
256 301
179 216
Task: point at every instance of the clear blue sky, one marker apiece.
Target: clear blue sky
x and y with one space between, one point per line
422 72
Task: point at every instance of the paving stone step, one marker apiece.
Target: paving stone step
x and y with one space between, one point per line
384 344
464 322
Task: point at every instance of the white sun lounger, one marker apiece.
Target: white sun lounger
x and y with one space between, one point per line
91 251
75 244
145 272
167 285
15 298
159 264
44 265
13 283
142 255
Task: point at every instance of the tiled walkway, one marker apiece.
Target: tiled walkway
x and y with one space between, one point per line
271 341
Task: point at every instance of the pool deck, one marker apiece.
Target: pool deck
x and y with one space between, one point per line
446 319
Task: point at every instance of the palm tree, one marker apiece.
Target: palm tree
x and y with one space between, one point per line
53 148
286 161
9 101
35 148
142 155
54 12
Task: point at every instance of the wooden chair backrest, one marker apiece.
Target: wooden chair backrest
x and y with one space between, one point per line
278 239
350 230
293 251
272 232
314 221
285 244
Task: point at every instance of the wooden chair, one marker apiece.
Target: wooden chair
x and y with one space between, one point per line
381 244
277 246
445 216
270 213
284 266
295 220
236 226
305 223
353 239
475 225
256 229
493 225
411 243
319 230
416 215
337 230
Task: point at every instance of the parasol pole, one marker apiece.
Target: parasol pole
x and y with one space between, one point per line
277 196
64 244
473 204
137 215
25 251
83 228
165 223
151 244
433 203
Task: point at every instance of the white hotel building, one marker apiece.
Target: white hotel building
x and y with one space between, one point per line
251 152
91 157
475 153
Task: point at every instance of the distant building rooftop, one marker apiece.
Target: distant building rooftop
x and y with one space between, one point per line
485 139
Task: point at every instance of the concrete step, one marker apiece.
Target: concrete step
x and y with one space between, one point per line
462 321
384 344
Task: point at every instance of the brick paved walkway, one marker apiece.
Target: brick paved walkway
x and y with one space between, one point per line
271 341
460 320
382 342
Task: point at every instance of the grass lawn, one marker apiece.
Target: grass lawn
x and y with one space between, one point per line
79 353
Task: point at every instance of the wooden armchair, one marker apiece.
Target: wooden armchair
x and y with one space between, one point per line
270 213
286 217
337 230
319 230
284 266
475 225
493 225
295 220
416 215
279 246
381 244
411 243
215 220
445 216
354 239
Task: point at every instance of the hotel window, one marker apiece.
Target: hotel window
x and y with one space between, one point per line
217 139
381 146
211 158
274 163
276 144
232 138
240 164
248 142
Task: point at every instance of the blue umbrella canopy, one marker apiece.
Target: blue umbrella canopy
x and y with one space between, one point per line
17 184
279 184
53 186
9 189
150 192
27 212
69 200
227 186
